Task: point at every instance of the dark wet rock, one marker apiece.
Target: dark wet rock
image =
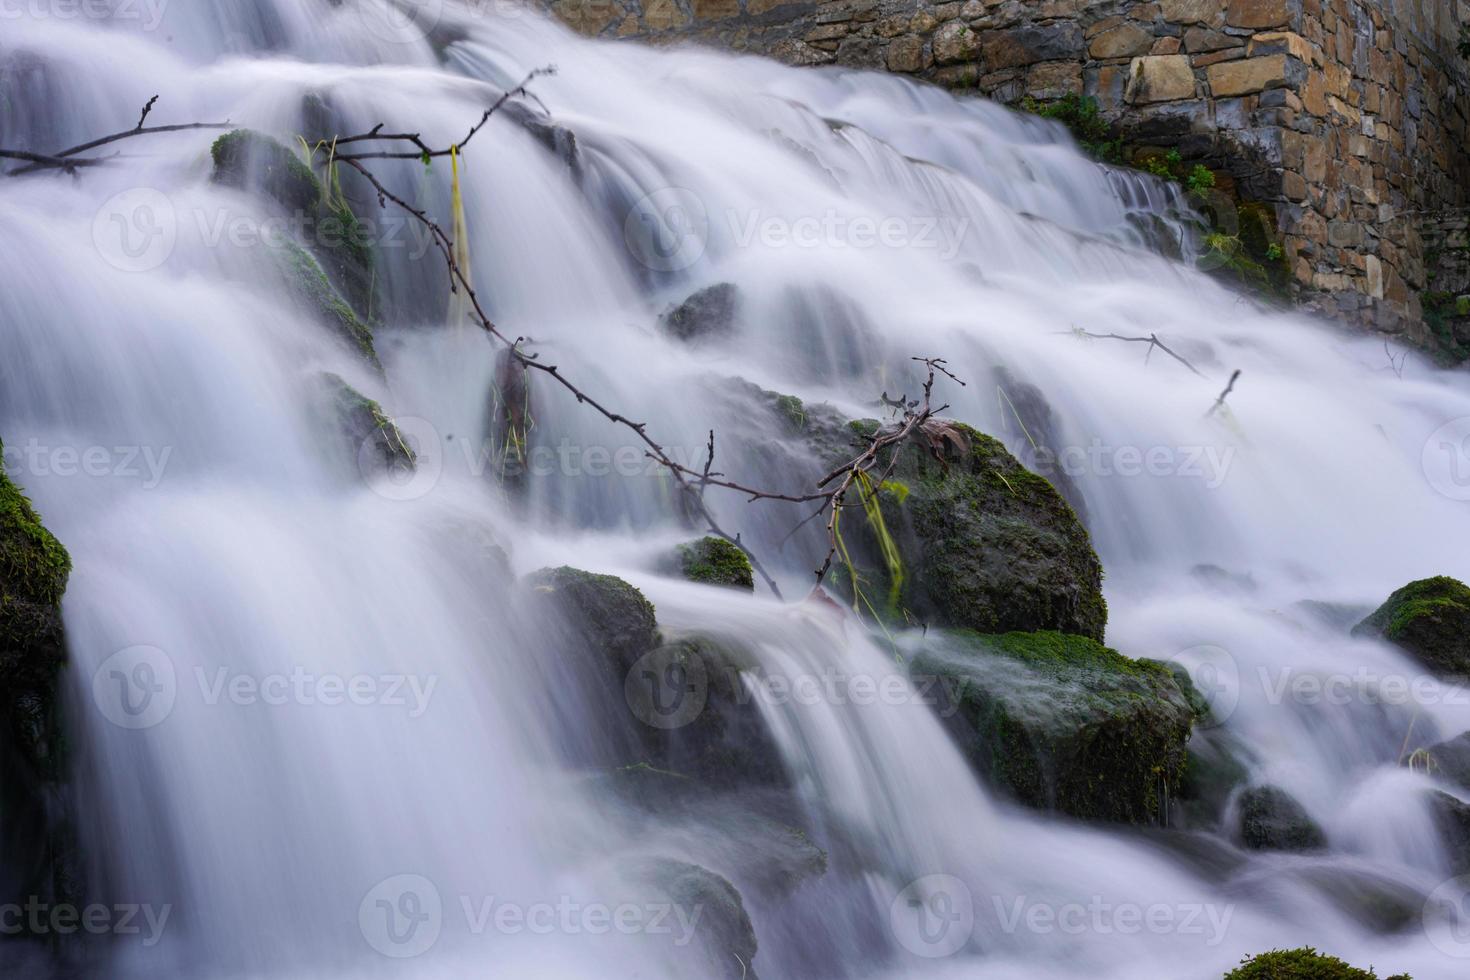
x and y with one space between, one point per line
1271 819
369 434
611 617
1215 770
556 139
1030 423
1061 722
1453 818
723 929
679 699
1430 619
756 833
715 561
512 418
708 314
35 823
1449 760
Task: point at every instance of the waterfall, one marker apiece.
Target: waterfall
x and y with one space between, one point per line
353 703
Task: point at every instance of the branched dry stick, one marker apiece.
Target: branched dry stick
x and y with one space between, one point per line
1220 402
1152 340
65 160
915 415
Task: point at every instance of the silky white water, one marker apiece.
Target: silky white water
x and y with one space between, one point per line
866 220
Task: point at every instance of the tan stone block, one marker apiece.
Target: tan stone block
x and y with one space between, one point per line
955 42
1165 45
1162 78
1190 11
1258 14
716 9
1281 42
1125 41
906 53
1248 76
1054 80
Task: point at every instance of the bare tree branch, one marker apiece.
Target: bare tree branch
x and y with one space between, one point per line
63 159
1152 340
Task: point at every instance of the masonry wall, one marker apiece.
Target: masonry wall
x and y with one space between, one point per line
1349 117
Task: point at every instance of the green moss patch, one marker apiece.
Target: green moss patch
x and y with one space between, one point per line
1301 964
1430 619
715 561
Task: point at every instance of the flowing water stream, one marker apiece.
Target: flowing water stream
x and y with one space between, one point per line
866 220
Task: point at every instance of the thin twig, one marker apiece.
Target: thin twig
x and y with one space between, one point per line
62 160
1152 340
1220 402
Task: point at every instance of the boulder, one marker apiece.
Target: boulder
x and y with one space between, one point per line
680 697
1430 619
1272 820
1453 819
1061 722
610 617
332 266
708 314
959 534
35 827
715 561
723 930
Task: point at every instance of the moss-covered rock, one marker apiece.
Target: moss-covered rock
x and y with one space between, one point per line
1272 820
1300 964
960 534
1430 619
367 431
34 568
332 267
1061 722
715 561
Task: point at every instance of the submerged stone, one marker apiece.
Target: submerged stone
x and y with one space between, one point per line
1271 819
1061 722
705 315
1429 619
723 929
610 616
369 433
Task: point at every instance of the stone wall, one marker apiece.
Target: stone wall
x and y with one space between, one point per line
1349 117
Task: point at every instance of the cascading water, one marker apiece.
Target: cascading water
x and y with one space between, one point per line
866 220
